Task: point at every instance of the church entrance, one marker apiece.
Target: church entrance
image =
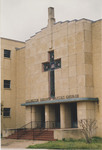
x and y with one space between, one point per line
74 115
57 116
39 113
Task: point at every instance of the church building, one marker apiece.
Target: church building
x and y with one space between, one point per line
54 79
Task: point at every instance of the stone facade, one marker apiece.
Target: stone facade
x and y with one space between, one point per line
78 44
12 69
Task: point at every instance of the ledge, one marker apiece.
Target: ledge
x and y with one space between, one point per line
7 58
69 100
7 88
6 116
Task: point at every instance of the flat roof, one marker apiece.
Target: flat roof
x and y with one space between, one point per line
12 40
57 101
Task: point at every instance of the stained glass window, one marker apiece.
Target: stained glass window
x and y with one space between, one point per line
58 63
51 56
46 66
52 84
52 65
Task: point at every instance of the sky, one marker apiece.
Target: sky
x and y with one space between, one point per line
20 19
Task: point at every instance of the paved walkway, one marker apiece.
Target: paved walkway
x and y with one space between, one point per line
18 144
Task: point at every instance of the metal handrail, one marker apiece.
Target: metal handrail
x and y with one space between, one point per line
37 125
24 125
23 129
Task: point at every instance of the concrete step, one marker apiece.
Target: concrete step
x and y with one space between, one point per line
34 134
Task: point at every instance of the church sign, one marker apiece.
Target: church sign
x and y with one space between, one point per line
55 98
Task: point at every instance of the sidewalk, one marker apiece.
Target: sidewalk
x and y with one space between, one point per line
18 144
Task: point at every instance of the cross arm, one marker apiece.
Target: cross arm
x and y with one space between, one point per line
46 66
57 63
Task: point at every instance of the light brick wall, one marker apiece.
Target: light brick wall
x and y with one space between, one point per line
77 43
97 70
8 72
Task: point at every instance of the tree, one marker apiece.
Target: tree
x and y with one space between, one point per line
88 128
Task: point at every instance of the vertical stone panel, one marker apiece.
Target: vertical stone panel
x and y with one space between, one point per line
85 110
97 70
81 111
62 115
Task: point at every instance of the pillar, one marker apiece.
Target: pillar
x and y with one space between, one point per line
62 115
50 116
33 117
47 116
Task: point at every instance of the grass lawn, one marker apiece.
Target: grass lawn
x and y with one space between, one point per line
70 144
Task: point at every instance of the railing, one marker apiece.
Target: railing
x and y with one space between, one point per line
21 131
52 125
37 125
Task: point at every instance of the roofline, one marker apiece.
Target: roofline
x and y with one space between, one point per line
69 100
92 21
61 22
12 40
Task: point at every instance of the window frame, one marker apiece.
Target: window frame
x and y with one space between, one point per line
6 113
7 85
7 55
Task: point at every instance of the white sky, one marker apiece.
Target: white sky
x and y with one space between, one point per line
21 19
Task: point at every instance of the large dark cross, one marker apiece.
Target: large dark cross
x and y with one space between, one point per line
50 66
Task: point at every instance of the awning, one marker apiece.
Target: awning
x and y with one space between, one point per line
57 101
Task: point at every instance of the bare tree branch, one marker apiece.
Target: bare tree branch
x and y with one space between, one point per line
88 128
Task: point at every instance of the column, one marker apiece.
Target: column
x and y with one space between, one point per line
62 115
47 118
50 116
33 117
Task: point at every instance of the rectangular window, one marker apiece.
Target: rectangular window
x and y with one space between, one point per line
7 53
6 112
7 83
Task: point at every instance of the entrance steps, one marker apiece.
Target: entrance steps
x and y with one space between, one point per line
34 134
